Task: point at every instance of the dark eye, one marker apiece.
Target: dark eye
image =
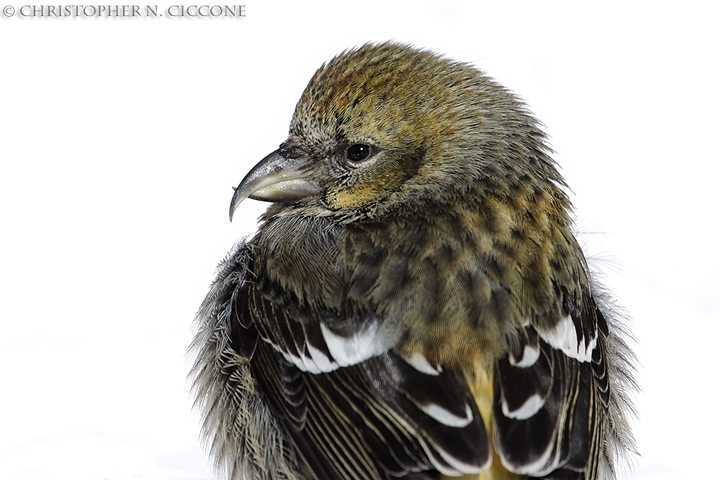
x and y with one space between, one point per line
358 152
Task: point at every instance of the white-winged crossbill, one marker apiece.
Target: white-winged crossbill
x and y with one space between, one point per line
414 304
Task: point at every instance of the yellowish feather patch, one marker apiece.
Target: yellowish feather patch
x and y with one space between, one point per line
481 384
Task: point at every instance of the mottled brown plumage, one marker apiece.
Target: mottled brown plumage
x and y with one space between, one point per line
414 303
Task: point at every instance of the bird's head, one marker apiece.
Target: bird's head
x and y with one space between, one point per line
385 129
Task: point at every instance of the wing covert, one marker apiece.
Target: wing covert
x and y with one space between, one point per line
550 392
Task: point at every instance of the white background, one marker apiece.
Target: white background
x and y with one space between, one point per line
120 140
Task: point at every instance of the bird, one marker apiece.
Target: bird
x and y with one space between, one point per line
414 303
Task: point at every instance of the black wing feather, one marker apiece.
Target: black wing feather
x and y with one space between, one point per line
547 403
370 420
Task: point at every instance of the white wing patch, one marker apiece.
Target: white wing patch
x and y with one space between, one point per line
446 417
420 363
564 337
530 355
531 406
367 342
304 363
321 361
